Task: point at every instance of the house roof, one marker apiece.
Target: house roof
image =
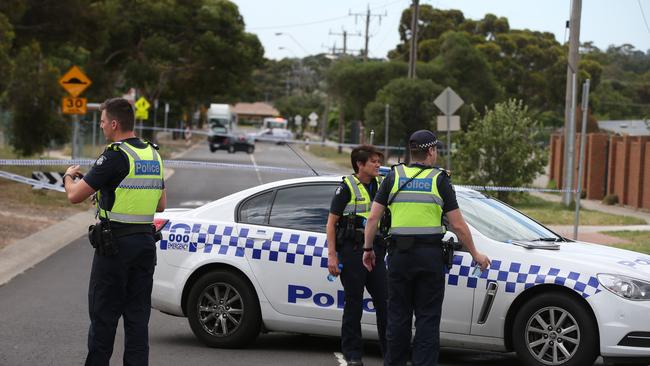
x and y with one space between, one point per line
626 127
255 109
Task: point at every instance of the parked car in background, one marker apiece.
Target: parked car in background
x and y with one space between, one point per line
277 135
231 142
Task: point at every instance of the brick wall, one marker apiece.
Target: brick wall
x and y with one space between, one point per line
596 161
645 194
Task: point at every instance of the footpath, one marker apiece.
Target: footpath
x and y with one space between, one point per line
24 254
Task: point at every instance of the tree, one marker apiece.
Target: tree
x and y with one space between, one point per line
6 65
36 120
497 149
411 108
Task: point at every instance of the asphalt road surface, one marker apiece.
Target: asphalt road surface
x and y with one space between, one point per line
44 315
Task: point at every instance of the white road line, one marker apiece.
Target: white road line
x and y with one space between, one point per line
340 358
257 170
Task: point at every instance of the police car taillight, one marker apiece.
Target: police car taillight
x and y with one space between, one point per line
160 223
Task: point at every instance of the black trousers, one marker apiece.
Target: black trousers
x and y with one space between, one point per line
355 277
416 285
120 286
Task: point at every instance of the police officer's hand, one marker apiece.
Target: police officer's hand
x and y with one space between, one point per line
482 261
369 260
333 265
74 171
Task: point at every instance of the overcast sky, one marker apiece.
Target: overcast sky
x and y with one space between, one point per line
306 24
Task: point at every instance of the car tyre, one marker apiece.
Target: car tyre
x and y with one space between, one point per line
555 329
231 149
212 149
250 149
223 310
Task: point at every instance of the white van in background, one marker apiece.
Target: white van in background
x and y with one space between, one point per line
221 118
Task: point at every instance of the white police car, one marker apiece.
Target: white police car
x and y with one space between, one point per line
257 260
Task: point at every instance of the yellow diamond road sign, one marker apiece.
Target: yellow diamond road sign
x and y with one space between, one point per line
142 109
74 81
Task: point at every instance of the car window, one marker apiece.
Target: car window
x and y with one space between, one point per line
256 209
498 221
302 207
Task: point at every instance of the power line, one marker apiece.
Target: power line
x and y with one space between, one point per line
643 15
299 24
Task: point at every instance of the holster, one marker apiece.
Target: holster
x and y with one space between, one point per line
448 253
346 231
101 238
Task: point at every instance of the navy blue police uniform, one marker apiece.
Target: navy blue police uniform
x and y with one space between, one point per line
416 286
120 285
355 277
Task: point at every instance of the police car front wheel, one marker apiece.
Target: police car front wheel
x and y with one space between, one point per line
223 310
555 329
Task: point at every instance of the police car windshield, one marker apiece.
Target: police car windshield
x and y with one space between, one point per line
498 221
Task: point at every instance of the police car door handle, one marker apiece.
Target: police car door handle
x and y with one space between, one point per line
490 295
260 235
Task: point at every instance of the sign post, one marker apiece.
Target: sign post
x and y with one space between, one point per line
74 82
448 102
313 119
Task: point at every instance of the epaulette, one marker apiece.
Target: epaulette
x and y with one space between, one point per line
445 171
155 146
115 146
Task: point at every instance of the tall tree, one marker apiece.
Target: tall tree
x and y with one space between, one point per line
411 108
36 120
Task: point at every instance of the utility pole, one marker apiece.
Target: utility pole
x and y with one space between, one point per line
368 14
345 35
569 101
413 52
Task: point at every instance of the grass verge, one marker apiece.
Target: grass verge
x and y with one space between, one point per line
331 154
640 240
554 213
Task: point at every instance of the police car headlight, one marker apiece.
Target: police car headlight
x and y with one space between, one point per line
625 287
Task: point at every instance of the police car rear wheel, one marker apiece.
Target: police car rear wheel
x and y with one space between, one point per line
555 329
223 310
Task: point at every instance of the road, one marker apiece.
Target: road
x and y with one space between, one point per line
44 316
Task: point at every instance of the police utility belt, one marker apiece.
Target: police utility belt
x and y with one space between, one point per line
103 238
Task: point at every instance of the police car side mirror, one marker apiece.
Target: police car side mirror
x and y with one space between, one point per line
452 238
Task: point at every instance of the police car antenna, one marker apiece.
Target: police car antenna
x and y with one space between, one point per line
303 160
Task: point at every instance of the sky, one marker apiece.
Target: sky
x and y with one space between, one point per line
296 28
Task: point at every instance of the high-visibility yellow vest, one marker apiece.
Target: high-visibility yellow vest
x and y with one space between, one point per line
137 196
417 208
360 202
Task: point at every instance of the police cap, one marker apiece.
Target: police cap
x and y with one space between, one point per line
423 139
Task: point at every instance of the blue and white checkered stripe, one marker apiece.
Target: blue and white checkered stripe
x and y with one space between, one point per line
515 277
306 250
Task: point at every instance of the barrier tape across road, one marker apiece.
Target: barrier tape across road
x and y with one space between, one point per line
212 165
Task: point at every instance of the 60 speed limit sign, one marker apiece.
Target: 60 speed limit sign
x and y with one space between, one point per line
72 105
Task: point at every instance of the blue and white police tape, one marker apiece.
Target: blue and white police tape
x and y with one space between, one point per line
213 165
513 189
167 163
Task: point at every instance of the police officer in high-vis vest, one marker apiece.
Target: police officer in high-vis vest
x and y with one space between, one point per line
417 195
128 179
348 214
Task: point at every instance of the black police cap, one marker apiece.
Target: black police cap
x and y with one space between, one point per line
423 139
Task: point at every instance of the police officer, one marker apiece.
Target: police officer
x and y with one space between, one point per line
348 213
128 179
417 196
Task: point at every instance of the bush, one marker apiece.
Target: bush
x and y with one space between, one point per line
610 199
552 184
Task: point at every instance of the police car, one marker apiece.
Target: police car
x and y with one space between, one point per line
257 261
